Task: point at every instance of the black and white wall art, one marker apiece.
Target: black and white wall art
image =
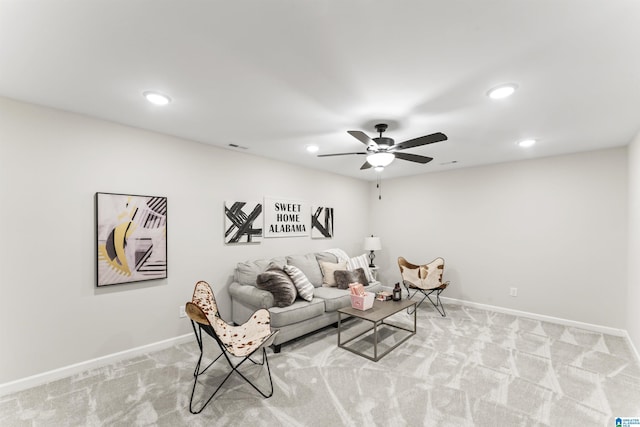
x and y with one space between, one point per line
285 218
321 222
131 238
242 222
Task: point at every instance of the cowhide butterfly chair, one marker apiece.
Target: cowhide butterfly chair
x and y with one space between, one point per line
236 342
426 279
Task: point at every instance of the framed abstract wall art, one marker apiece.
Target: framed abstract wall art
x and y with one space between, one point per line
321 222
131 238
242 222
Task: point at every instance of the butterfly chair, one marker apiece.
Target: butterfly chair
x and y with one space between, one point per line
239 342
426 279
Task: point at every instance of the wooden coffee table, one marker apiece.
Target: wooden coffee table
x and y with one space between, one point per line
377 315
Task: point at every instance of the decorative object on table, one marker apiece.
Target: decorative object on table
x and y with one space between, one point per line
242 222
239 341
372 244
131 238
360 299
356 289
286 218
426 279
321 222
364 302
397 292
384 296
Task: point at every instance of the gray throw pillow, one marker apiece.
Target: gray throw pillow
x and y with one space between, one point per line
280 285
247 272
344 277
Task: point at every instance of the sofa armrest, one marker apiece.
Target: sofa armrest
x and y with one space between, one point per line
251 296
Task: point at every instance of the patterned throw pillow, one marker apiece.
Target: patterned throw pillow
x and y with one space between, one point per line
344 277
280 285
300 281
328 268
361 262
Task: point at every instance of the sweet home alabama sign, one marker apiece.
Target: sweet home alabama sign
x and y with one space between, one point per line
286 218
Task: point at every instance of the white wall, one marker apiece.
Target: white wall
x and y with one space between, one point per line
555 228
633 297
52 163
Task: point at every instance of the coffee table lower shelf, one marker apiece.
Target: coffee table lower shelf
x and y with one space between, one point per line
380 311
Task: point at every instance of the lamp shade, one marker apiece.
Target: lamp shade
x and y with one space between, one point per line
372 244
380 159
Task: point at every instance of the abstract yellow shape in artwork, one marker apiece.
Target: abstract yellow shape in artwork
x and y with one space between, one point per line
117 257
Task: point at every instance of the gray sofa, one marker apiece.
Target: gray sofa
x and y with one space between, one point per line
301 317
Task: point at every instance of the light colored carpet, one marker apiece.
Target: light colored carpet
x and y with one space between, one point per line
473 367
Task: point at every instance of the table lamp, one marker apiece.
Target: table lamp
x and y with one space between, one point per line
372 244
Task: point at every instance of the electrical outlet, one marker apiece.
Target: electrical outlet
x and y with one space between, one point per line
513 292
181 311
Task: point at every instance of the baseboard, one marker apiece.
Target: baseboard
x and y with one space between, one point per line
633 347
566 322
66 371
559 320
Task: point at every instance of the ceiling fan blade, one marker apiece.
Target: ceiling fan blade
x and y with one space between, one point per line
413 157
362 137
366 165
423 140
338 154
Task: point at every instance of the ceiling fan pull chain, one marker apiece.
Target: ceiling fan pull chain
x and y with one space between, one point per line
379 186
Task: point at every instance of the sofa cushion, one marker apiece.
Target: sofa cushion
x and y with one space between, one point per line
247 272
326 257
328 268
361 261
334 298
300 281
309 266
280 285
344 277
299 311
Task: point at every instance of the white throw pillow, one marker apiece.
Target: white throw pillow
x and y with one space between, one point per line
300 281
328 268
361 261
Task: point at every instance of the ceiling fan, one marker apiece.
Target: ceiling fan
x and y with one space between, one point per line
381 151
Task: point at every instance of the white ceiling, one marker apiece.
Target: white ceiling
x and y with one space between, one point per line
275 76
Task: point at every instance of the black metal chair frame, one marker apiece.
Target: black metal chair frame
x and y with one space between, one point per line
427 294
234 367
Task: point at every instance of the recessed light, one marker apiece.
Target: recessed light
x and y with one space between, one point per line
527 143
312 148
157 98
502 91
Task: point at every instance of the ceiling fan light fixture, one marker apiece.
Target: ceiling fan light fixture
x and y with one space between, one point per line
502 91
378 168
380 159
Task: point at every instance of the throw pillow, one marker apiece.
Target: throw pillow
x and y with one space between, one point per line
247 272
361 261
300 281
309 266
280 285
328 268
344 277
